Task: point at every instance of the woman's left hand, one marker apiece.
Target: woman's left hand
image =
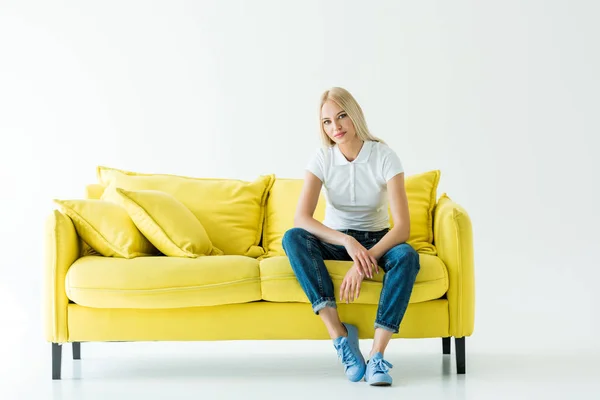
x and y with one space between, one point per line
350 288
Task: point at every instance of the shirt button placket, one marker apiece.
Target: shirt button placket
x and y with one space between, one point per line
352 190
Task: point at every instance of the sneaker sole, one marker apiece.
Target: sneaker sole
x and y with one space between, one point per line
380 384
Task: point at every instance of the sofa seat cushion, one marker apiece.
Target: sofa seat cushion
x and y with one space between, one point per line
279 284
163 282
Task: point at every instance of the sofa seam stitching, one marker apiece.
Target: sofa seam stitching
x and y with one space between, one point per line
168 289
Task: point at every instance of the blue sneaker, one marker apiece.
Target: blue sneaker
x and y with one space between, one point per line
349 352
377 371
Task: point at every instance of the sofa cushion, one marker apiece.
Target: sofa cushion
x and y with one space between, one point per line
165 222
94 191
163 282
107 228
421 191
231 211
279 283
279 215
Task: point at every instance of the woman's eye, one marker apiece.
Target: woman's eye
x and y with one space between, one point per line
325 122
342 115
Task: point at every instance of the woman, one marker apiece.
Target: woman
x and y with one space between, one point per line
360 174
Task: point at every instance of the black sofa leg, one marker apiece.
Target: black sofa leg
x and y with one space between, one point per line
446 345
459 344
56 360
76 350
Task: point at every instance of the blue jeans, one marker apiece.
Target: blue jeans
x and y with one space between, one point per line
306 253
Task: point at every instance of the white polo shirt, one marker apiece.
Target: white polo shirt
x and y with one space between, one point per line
356 192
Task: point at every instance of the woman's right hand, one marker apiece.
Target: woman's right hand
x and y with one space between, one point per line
364 261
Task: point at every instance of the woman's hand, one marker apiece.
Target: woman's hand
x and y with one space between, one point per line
350 288
363 260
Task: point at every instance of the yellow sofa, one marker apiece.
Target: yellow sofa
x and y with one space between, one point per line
246 288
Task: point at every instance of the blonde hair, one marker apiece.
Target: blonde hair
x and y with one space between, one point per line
348 103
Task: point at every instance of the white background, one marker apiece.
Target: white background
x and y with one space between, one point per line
502 97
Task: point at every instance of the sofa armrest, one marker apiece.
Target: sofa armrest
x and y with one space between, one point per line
453 238
61 250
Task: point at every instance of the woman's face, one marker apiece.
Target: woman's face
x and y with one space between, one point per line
336 123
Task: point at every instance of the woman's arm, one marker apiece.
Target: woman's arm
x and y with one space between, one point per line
309 197
399 206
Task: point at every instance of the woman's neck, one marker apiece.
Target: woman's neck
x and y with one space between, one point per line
351 150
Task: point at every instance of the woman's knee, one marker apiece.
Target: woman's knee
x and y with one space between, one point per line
403 254
294 236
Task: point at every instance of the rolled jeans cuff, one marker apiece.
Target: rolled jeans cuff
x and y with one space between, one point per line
322 303
387 327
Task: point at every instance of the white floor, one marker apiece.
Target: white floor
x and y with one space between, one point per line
288 370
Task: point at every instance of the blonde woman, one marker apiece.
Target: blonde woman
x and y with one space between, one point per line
360 175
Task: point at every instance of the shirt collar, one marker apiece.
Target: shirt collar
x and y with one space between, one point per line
363 154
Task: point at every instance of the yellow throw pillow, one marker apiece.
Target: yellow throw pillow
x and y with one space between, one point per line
231 211
94 191
107 228
421 191
279 216
168 224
